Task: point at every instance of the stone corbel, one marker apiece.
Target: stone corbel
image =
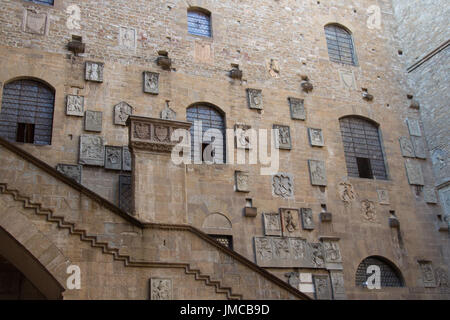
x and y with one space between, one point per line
153 134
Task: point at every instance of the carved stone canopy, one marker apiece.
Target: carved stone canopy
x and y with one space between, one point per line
154 134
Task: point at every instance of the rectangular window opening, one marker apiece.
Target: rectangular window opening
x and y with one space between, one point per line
364 168
25 132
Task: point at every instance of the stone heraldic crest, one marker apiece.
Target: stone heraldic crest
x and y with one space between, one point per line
153 134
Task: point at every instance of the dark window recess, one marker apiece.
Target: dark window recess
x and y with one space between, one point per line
362 146
209 118
199 23
390 277
226 241
25 132
125 193
364 169
48 2
340 45
27 112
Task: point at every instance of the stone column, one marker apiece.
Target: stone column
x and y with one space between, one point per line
158 184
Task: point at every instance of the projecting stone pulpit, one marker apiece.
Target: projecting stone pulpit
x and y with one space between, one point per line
158 182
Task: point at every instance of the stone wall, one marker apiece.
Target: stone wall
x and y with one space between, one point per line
288 32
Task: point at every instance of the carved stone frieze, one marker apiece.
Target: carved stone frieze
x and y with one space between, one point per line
161 289
290 222
74 105
283 138
297 107
122 111
346 192
322 287
283 185
92 150
272 224
307 219
70 170
151 82
113 158
94 71
241 181
317 172
254 97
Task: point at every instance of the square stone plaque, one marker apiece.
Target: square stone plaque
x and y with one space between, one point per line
126 159
161 289
243 136
429 195
283 139
93 121
122 111
414 172
307 219
338 285
317 172
297 108
92 150
406 147
414 127
151 82
74 105
94 71
241 178
254 98
113 158
70 170
35 22
127 38
383 196
272 224
315 137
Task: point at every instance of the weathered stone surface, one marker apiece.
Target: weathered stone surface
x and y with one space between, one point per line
307 219
346 192
338 285
283 139
113 158
317 172
243 136
126 159
151 82
383 196
242 181
297 108
74 105
283 185
322 287
122 111
347 79
290 222
414 172
420 150
315 137
272 224
94 71
71 170
406 147
92 150
368 210
429 195
332 253
35 22
161 289
254 98
127 38
168 113
428 276
93 121
414 127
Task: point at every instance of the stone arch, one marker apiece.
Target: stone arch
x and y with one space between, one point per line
391 275
32 253
217 221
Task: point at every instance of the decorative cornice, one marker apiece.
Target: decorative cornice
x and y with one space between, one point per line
153 134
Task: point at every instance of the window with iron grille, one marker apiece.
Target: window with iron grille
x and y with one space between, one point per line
226 241
125 193
362 147
340 44
48 2
199 23
209 118
27 112
390 276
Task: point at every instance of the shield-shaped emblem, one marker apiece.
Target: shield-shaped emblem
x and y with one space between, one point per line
162 133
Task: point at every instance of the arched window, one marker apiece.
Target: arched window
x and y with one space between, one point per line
340 44
390 276
208 117
362 147
49 2
27 112
199 22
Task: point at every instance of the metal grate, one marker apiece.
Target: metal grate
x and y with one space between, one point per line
125 193
340 45
27 102
361 140
210 119
49 2
389 276
226 241
199 23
